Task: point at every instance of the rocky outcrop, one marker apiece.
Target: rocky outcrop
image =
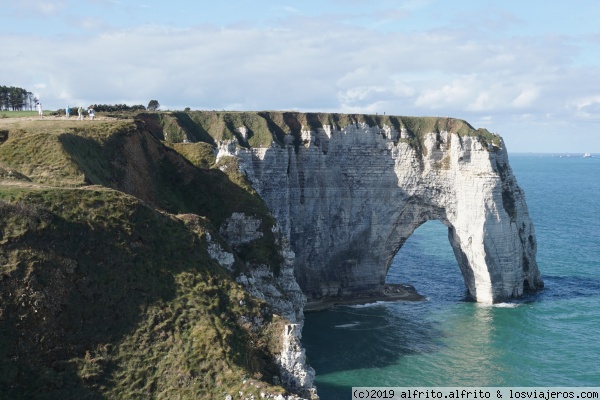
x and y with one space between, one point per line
280 291
297 376
348 199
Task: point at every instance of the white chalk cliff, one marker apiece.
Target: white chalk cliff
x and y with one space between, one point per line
347 200
280 291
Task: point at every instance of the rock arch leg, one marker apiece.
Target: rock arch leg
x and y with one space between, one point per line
468 254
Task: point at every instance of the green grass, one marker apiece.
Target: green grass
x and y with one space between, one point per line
51 152
106 286
19 114
224 126
116 154
105 297
200 154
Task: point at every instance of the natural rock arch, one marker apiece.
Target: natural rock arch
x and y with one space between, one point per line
348 199
428 254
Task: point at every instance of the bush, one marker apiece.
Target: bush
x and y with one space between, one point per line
153 105
116 107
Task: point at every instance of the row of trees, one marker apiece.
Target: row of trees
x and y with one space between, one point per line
116 107
16 99
153 105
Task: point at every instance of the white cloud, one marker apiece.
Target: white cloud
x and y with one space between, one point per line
327 66
310 64
459 91
360 94
588 107
87 23
526 98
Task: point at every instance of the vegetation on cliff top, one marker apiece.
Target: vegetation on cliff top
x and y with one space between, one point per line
267 127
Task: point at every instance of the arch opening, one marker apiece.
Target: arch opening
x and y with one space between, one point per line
427 262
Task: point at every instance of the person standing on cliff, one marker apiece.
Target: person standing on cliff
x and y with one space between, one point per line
68 111
40 111
80 114
91 113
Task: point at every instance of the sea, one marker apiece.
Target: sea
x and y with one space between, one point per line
548 339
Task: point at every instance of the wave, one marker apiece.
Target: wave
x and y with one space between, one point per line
350 325
507 305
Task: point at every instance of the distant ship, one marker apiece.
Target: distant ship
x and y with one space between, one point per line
586 155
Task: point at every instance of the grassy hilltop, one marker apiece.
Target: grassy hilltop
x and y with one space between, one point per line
106 286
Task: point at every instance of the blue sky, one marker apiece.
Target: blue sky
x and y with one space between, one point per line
529 70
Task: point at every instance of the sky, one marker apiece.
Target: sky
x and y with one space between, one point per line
528 70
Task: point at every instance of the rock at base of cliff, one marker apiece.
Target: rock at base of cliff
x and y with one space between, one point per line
391 292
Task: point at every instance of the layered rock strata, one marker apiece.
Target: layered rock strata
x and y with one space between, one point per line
348 199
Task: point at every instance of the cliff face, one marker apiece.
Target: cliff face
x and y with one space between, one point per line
349 198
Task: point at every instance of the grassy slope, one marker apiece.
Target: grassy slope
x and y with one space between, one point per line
105 296
14 114
123 155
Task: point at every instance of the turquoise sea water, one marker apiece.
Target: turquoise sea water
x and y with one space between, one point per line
548 339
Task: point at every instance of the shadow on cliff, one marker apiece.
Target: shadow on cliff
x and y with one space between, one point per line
79 288
357 346
110 284
135 162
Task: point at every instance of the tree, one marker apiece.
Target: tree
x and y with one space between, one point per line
153 105
15 98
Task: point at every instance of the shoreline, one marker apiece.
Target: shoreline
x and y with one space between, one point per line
391 292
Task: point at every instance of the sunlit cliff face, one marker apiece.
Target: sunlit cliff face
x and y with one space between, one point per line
349 198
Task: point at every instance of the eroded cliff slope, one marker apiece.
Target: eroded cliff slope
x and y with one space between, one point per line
126 271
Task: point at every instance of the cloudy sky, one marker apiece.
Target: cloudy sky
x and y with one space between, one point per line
529 70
